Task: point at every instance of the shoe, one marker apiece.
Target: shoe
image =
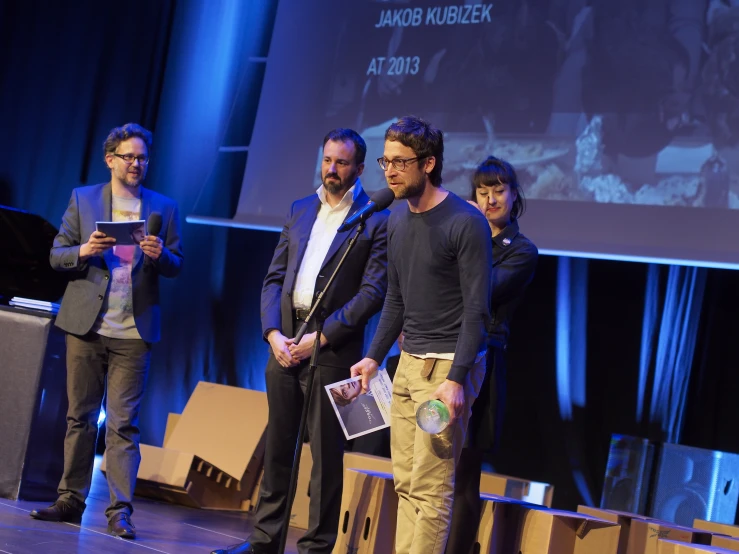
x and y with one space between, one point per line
59 511
120 525
243 548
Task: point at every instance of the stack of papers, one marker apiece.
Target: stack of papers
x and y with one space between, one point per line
29 303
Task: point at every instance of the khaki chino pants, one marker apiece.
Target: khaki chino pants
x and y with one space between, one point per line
424 464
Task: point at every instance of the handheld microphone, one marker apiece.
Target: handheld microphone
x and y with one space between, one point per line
380 200
153 227
154 224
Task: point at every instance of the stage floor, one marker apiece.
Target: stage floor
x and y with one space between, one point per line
160 527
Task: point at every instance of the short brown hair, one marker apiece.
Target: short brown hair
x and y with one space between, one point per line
425 141
118 134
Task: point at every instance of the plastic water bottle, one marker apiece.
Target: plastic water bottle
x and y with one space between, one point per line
432 416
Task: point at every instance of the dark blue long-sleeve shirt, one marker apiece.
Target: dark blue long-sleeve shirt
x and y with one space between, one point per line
439 283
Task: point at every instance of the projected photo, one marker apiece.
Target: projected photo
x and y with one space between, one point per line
631 102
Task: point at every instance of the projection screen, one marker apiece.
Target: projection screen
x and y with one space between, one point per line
621 118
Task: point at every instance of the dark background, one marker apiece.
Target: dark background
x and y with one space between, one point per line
190 71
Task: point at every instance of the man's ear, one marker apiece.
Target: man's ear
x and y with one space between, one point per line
430 164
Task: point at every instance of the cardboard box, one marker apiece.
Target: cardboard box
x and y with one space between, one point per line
183 478
225 426
645 534
369 508
508 526
495 520
213 452
720 528
622 518
352 460
172 420
355 460
674 547
729 543
559 532
520 489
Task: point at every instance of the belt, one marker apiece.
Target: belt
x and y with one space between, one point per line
301 314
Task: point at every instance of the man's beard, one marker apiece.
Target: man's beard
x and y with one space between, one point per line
133 180
337 185
411 190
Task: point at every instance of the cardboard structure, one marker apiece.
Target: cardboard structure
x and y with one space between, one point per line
728 543
665 546
213 452
641 534
622 518
521 489
369 508
645 534
720 528
352 460
510 526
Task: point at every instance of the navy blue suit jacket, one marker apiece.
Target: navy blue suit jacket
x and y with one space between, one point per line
357 293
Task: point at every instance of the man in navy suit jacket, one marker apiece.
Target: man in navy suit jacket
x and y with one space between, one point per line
111 314
309 249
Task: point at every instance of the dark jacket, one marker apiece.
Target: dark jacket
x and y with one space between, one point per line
514 264
357 293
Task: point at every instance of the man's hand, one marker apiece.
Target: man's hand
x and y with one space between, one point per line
304 348
365 368
98 243
152 246
280 349
451 394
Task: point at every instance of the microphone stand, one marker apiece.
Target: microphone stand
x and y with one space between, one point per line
317 312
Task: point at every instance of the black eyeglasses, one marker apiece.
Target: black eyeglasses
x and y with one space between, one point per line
398 164
129 158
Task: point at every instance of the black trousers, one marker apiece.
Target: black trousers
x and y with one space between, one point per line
286 392
483 435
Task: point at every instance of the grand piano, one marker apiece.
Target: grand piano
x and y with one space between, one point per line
33 401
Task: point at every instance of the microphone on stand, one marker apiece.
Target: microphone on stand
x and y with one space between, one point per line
380 200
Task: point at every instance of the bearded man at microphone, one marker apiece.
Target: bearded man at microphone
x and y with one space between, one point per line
110 312
315 236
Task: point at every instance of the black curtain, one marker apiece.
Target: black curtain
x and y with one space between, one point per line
571 453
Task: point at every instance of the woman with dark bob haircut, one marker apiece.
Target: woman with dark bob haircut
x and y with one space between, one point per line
497 194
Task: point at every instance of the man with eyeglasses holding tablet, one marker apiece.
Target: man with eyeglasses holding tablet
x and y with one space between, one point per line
111 314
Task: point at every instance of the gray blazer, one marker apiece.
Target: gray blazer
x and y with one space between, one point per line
89 280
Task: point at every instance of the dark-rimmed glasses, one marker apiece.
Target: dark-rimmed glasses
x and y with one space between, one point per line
398 164
129 158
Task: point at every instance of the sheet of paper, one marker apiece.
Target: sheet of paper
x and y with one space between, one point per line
359 412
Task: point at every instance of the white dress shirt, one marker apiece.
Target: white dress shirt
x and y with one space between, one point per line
321 237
